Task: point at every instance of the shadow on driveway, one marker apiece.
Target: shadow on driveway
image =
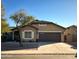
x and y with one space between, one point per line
73 45
15 46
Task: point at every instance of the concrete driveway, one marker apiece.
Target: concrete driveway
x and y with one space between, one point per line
39 48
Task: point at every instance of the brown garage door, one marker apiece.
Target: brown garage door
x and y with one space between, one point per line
52 37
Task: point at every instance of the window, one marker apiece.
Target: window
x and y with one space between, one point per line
28 34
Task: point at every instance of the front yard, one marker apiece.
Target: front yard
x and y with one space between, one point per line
37 48
41 50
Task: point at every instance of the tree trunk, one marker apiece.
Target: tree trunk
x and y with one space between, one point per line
20 40
18 29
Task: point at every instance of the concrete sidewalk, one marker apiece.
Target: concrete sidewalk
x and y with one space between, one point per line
53 48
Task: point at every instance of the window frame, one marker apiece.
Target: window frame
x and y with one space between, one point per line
32 34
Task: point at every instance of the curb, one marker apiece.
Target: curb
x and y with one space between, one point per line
44 54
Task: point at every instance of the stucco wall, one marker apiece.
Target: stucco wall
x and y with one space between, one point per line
48 27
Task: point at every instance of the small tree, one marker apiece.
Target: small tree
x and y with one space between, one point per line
21 19
4 26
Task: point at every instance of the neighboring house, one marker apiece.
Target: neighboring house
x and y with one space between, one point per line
70 34
40 31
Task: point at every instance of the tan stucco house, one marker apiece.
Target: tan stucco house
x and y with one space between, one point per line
70 34
45 31
41 31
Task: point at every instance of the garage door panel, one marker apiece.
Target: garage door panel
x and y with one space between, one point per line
54 37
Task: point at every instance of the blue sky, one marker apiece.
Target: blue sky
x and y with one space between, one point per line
62 12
